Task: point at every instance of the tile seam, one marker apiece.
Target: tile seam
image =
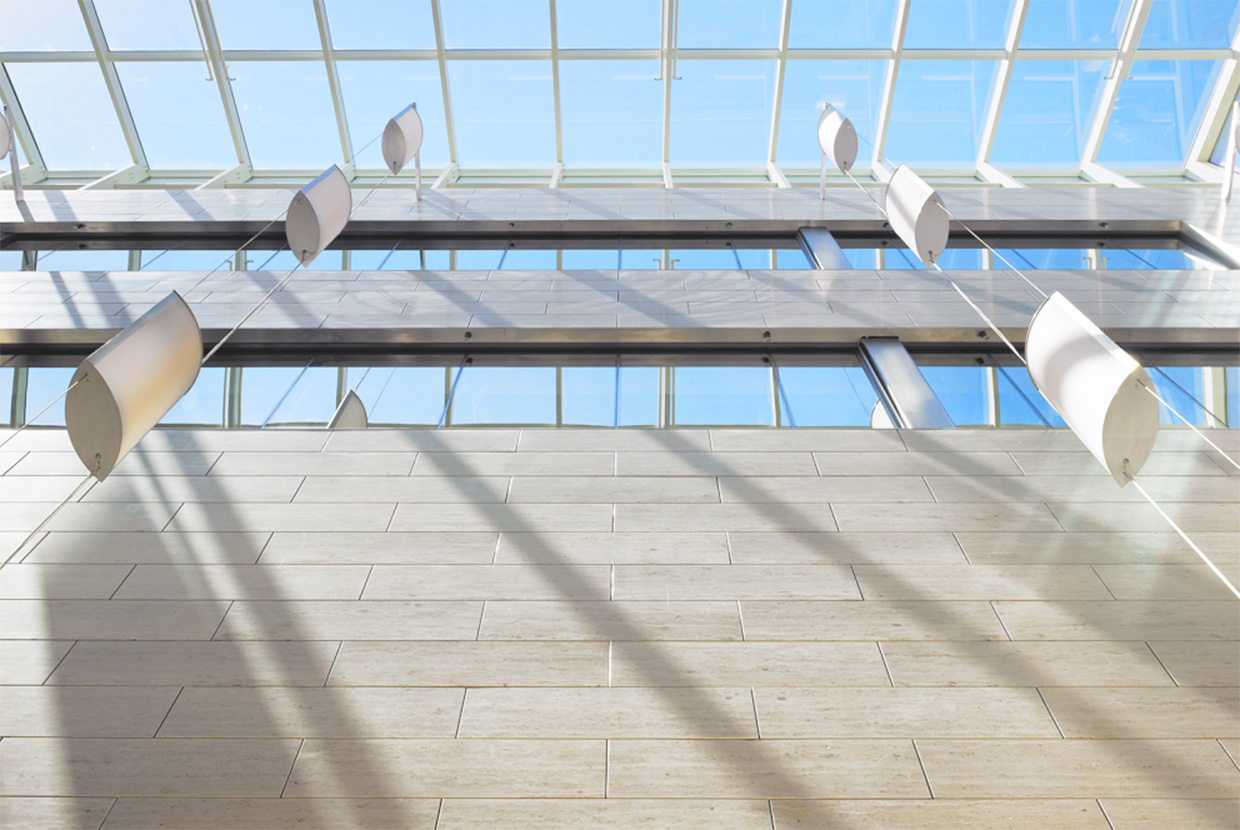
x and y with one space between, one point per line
125 579
164 719
59 662
1110 824
292 766
1161 663
922 764
335 657
1054 720
111 807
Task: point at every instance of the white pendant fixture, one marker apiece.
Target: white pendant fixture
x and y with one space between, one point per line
916 213
402 140
317 214
838 138
1094 385
5 141
122 390
351 414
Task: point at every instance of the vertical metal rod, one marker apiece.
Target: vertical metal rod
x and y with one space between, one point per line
18 195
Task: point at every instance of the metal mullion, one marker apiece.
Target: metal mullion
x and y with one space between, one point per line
231 113
1219 108
17 117
666 60
1133 28
995 107
333 81
112 79
780 66
889 85
443 79
555 86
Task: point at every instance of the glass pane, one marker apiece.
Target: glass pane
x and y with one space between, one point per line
1184 388
262 387
310 402
1233 395
863 257
1047 112
496 24
611 112
729 24
407 396
43 384
964 258
26 27
607 24
1164 260
639 396
722 396
503 112
1157 113
957 24
189 260
1043 258
1190 24
828 396
641 259
179 115
1074 24
584 259
10 260
380 24
71 115
286 110
842 24
1020 402
266 24
6 397
937 112
147 24
517 259
709 258
505 395
589 396
374 91
721 112
66 260
854 87
477 260
203 404
964 392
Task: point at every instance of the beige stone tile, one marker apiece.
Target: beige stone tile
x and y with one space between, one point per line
1089 547
424 440
715 464
89 619
402 488
83 711
26 516
1050 582
195 489
490 582
259 517
613 813
417 768
822 440
29 662
780 548
137 463
1121 620
207 548
1007 814
1084 464
472 664
61 581
608 713
660 490
314 464
747 664
968 439
871 620
630 440
235 440
947 517
1190 516
915 463
38 488
1146 713
707 517
1161 813
1167 581
902 713
1200 663
1024 664
145 766
764 769
196 664
326 547
633 548
523 463
804 490
528 517
54 813
244 582
351 621
630 621
270 712
1232 745
1079 768
272 813
669 582
1060 488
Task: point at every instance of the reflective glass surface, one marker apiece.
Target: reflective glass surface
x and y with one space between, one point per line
509 116
71 115
26 26
496 24
842 24
178 114
381 24
728 24
608 24
612 112
937 112
1190 24
1074 24
957 24
721 111
367 88
1157 113
144 24
854 87
1047 113
287 114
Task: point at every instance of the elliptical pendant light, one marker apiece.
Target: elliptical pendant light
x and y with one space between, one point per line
915 211
5 140
351 414
402 141
838 140
317 214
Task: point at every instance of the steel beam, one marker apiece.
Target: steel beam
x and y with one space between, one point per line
132 174
904 388
223 82
237 174
333 81
889 84
17 118
555 89
1097 173
441 54
1218 110
995 107
785 22
112 80
993 174
1122 62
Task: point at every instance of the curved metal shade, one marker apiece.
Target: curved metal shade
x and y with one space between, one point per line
1094 385
402 138
351 414
916 214
5 142
130 382
837 138
317 214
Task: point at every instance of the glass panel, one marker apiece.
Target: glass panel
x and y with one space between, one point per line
612 112
729 24
964 258
380 24
721 112
517 259
1047 112
589 396
1190 24
722 396
496 24
641 259
65 260
43 384
1164 260
6 397
1074 24
1184 388
863 257
503 112
178 114
374 91
964 392
709 258
1219 156
477 260
286 110
937 112
607 24
1020 402
767 258
311 400
148 24
639 396
203 404
266 24
407 396
190 260
828 396
855 87
505 395
1043 258
790 258
26 27
842 24
583 259
10 260
1232 391
71 115
957 24
1157 113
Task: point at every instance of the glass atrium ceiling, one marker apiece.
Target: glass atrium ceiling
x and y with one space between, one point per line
608 92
